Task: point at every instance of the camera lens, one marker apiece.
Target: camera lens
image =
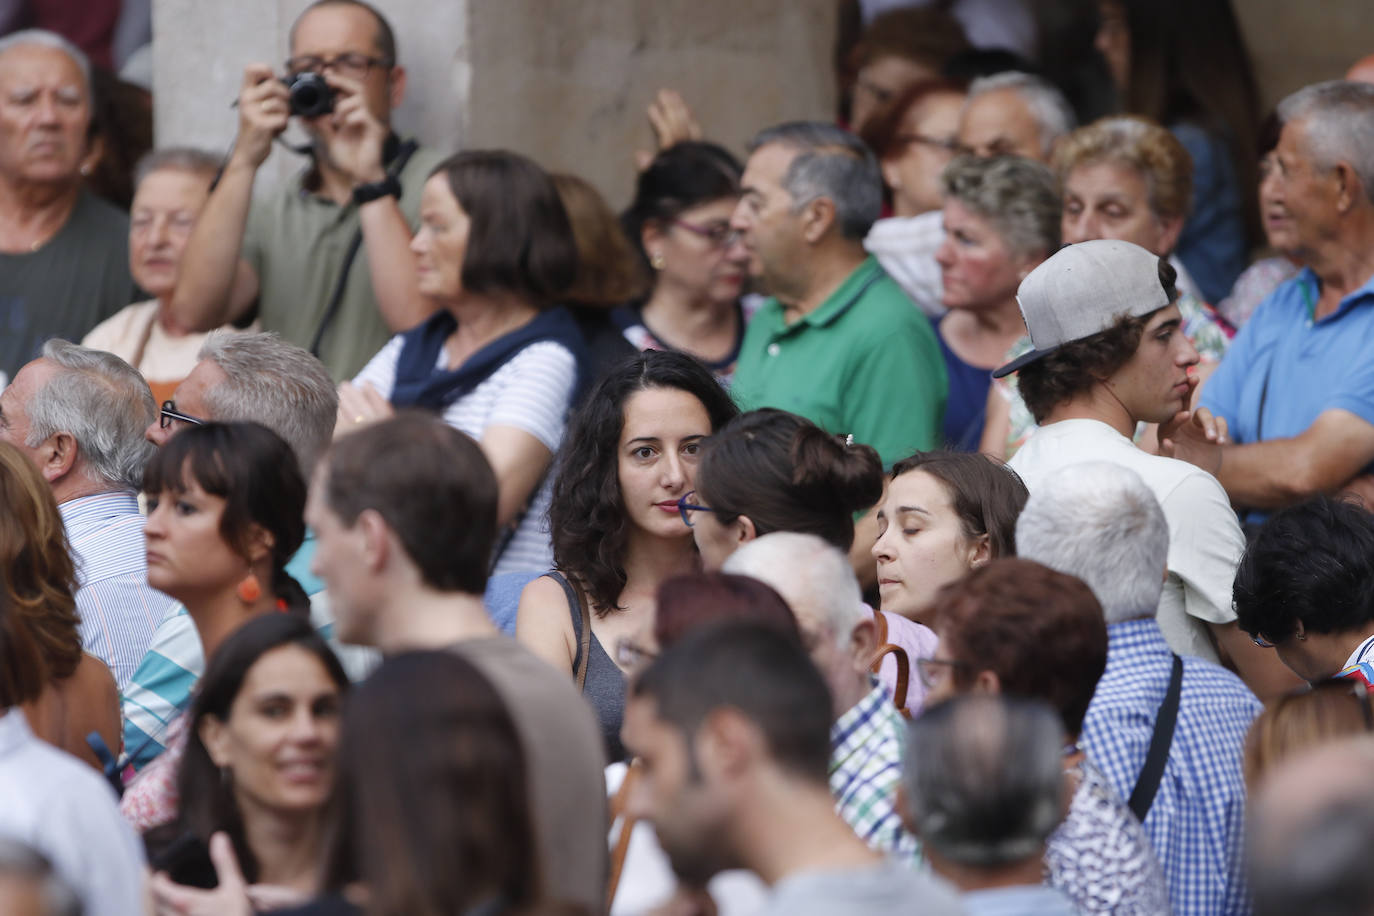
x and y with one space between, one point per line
310 96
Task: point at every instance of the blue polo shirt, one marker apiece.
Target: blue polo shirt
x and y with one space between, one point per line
1284 368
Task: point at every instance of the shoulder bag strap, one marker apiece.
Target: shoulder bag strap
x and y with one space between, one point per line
1153 771
886 648
622 841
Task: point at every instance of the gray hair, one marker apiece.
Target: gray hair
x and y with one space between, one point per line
984 778
104 404
22 861
1048 107
275 383
45 39
177 159
1339 126
830 163
1100 523
1018 196
809 573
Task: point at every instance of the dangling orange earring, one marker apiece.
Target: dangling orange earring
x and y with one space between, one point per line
249 589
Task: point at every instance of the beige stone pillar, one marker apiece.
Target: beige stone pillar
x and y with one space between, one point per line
563 81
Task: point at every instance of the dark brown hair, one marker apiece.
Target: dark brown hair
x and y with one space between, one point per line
1041 632
256 474
987 495
23 675
446 824
925 36
608 268
686 602
587 516
787 474
206 797
685 175
883 130
37 575
433 486
520 241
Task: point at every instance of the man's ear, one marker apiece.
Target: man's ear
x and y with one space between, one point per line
987 681
57 456
863 643
376 535
726 744
816 219
1350 187
1170 228
396 87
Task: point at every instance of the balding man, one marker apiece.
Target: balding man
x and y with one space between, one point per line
1014 114
49 223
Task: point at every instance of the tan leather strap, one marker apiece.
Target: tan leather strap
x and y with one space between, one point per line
585 642
622 841
886 648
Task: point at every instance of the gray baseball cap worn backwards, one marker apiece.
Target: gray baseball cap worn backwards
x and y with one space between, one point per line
1082 290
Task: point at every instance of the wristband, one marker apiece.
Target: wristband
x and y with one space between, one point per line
387 187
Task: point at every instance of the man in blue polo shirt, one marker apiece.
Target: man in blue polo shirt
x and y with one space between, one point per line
839 343
1296 389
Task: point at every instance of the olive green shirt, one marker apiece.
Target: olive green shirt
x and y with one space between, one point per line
865 362
297 241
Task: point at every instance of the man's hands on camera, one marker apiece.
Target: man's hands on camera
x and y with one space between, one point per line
264 109
356 135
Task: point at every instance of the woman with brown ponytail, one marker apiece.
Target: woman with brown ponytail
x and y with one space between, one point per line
226 505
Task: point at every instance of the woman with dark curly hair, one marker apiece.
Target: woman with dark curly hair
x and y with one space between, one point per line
618 528
38 579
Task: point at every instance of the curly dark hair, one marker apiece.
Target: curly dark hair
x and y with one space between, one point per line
587 516
1078 365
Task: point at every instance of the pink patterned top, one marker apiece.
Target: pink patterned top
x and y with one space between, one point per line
151 799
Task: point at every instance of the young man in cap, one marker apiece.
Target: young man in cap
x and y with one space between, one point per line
1108 354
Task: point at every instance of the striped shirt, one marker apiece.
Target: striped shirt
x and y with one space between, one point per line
866 748
532 392
1197 821
118 609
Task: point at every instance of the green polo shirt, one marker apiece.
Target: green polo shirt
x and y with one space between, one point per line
297 241
866 363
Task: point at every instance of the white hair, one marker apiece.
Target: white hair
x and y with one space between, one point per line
275 383
45 39
1101 523
104 404
1339 125
1047 105
810 574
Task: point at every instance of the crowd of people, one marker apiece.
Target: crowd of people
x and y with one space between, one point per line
938 510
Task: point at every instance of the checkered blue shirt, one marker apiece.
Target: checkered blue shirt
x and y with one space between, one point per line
1197 821
118 609
866 747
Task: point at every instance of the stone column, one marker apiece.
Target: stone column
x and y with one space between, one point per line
563 81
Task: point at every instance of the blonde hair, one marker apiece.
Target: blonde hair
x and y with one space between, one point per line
1303 719
36 570
1140 144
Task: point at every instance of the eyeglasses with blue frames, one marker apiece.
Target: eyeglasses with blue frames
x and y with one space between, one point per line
1259 640
169 415
685 507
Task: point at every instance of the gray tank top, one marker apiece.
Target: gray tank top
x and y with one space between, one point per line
604 686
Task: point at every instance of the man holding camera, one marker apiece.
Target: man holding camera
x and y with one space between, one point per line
325 260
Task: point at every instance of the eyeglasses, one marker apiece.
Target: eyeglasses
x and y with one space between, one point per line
945 146
685 507
926 668
169 415
353 65
632 656
718 234
1259 640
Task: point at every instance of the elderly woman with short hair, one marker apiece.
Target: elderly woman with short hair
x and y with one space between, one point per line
1124 178
1001 219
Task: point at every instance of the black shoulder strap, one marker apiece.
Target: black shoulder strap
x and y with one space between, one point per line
331 310
1153 771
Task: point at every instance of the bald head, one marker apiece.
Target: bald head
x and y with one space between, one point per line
1362 71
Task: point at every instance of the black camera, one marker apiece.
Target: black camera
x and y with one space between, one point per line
310 96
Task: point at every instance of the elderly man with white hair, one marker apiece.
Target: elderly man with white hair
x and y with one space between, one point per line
79 415
1166 731
868 734
49 223
1014 114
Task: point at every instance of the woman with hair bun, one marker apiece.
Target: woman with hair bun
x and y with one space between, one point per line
769 470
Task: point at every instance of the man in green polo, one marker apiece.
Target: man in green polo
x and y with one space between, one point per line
839 343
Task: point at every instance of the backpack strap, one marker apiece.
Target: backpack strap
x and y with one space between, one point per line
622 840
1143 795
582 622
885 649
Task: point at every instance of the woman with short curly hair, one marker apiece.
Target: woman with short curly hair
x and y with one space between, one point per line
617 520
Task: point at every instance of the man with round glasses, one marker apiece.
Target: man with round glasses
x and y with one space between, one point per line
324 261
